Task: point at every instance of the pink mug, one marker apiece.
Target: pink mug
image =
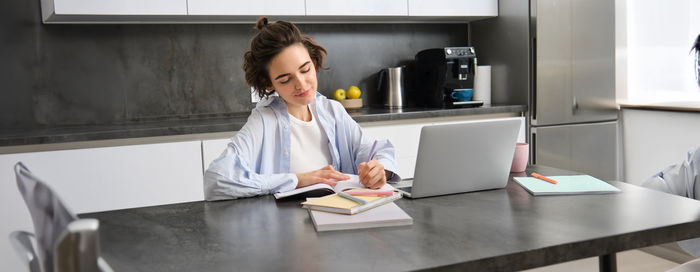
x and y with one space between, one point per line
520 157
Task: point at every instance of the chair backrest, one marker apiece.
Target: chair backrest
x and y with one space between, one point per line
64 242
22 242
49 215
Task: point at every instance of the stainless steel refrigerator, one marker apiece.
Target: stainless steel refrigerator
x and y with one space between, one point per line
557 56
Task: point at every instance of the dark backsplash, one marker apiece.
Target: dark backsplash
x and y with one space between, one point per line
59 75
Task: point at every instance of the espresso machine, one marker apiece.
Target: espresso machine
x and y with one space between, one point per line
438 72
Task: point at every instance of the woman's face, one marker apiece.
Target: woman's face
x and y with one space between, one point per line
293 76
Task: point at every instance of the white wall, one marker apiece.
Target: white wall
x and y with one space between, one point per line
653 140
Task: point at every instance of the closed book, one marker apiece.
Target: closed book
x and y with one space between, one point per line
566 185
337 204
388 215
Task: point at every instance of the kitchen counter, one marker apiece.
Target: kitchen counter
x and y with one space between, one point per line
17 137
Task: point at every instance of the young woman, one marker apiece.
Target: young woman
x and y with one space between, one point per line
297 137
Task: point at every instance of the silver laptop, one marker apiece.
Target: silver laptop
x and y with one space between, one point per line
465 157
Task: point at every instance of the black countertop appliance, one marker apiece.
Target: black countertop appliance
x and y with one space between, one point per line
440 71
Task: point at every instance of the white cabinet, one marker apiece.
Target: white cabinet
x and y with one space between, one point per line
245 7
404 137
240 11
357 8
299 7
55 8
486 8
211 150
108 178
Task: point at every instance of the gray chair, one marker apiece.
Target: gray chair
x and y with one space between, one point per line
63 241
23 242
681 179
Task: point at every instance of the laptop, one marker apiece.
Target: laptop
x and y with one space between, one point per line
464 157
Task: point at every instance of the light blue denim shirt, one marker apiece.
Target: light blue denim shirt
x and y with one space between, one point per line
256 161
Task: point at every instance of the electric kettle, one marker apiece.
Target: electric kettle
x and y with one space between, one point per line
392 86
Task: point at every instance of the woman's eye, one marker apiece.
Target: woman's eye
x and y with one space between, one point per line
306 71
284 81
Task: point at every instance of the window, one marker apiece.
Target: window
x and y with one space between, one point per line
658 62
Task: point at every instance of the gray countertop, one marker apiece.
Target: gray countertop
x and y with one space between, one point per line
495 230
233 122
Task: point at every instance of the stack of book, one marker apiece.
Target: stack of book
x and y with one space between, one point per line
349 205
351 201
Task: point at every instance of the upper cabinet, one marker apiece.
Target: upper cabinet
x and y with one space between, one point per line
356 8
480 8
246 7
98 11
242 11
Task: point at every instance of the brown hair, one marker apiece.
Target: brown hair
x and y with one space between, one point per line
270 41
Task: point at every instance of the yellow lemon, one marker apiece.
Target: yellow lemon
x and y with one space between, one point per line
354 92
339 94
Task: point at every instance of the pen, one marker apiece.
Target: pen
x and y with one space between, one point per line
371 151
371 193
347 196
544 178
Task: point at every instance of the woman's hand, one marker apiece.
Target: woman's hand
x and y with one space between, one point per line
326 175
372 174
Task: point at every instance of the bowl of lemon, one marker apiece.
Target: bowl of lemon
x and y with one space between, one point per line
350 99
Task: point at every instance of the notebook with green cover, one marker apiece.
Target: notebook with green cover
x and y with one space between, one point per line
567 185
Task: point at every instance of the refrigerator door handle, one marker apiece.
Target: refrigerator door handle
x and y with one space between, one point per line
574 106
533 148
533 80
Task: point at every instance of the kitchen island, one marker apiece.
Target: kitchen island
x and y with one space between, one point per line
103 168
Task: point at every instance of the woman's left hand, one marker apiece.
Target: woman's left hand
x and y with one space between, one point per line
372 174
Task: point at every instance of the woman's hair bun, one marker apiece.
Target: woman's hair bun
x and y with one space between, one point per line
262 22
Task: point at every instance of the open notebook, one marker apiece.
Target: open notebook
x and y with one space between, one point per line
322 189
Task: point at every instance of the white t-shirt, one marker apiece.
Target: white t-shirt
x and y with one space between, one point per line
309 145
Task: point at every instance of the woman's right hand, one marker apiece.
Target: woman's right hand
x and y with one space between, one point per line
326 175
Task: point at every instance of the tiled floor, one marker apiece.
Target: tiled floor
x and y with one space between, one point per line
627 261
